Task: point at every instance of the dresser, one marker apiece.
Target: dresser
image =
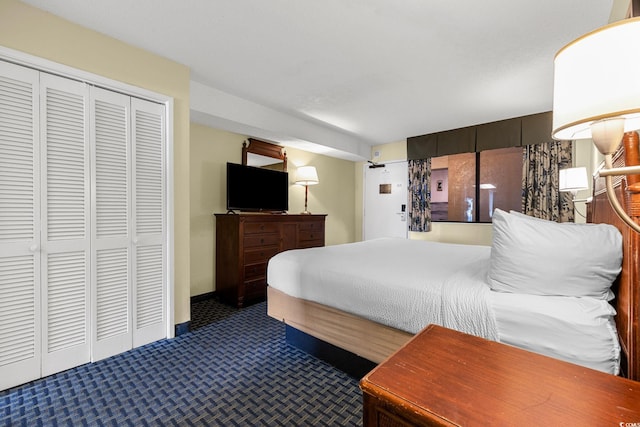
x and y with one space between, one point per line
246 242
443 377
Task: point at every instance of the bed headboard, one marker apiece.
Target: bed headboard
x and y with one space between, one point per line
627 286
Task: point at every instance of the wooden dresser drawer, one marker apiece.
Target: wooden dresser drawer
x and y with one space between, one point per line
261 227
252 271
263 253
255 288
384 418
310 234
257 240
312 226
310 244
306 235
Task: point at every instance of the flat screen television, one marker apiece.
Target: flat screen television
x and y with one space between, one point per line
256 189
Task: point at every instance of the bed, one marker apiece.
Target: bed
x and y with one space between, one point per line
599 288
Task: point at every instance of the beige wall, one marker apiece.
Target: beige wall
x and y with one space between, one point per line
389 152
211 149
457 232
619 10
30 30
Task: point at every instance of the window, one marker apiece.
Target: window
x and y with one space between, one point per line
468 187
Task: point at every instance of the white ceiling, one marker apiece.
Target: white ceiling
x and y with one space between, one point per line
338 76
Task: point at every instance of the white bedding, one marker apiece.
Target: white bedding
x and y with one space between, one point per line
408 284
400 283
577 330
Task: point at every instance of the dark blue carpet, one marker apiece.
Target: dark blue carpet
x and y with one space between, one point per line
236 371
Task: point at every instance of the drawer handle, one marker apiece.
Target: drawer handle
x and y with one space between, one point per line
261 240
311 236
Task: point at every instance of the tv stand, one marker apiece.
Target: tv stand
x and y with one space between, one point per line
246 241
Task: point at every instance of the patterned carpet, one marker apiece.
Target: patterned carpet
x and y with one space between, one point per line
233 369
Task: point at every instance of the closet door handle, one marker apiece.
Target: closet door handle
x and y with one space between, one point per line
135 241
33 248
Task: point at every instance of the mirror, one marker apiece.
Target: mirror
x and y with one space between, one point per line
264 154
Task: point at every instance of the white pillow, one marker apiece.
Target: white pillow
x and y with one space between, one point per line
539 257
575 329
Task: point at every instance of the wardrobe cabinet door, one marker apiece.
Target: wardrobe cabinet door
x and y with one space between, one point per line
20 339
110 245
65 223
149 225
83 223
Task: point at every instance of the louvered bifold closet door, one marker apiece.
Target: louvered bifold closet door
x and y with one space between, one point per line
149 192
110 248
64 109
20 338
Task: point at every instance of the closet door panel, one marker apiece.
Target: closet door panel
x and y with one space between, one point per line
111 281
20 338
65 223
149 192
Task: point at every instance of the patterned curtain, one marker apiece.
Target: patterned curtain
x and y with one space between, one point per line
419 195
541 197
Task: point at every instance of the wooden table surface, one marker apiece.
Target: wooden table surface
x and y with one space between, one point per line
444 377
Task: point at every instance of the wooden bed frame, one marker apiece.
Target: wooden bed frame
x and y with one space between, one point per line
376 342
362 337
627 286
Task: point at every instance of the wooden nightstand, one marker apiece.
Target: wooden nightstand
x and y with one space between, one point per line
443 377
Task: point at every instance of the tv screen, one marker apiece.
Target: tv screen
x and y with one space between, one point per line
256 189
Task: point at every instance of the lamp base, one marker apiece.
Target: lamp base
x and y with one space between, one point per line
306 194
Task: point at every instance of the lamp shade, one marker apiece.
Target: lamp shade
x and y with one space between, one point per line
306 175
597 77
573 179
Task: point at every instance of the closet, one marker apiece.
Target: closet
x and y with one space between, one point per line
82 223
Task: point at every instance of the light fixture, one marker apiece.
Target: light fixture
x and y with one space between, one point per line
492 190
487 187
306 175
573 180
596 95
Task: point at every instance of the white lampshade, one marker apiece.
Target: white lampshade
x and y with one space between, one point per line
597 77
306 175
573 179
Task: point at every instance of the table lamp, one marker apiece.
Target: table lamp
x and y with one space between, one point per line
306 175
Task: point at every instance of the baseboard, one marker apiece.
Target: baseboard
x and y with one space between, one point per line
347 362
203 297
182 328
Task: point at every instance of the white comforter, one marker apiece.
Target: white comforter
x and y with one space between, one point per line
406 284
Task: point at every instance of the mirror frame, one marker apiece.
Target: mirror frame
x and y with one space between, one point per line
266 149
